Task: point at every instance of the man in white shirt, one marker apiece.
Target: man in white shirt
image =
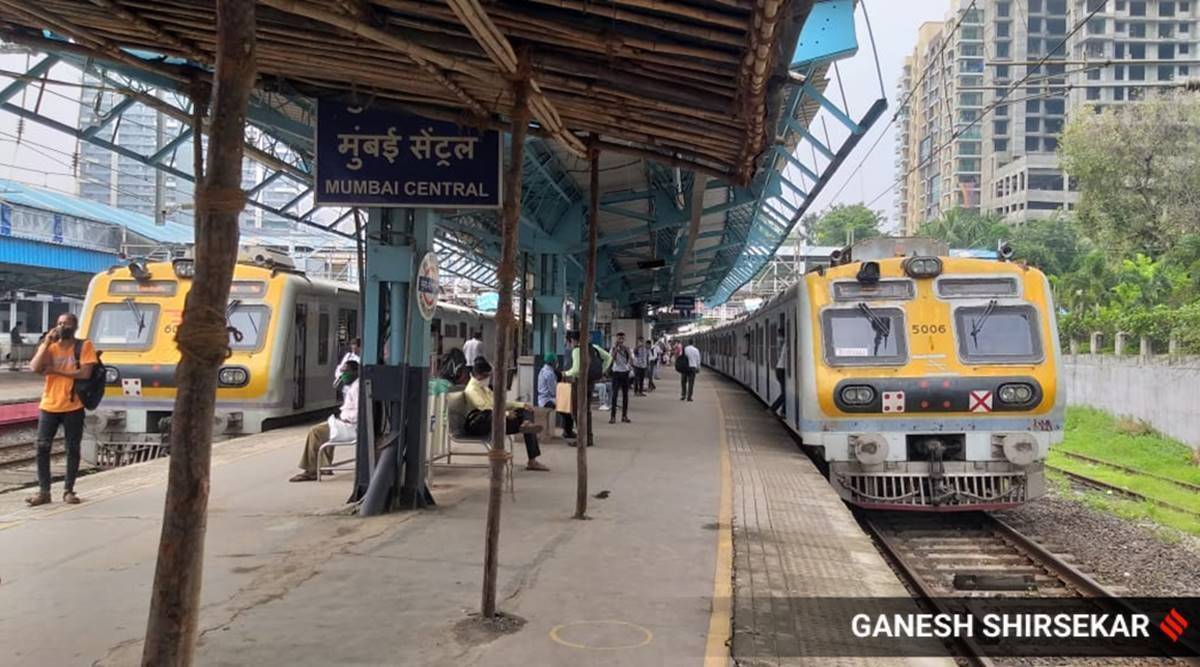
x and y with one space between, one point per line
687 378
473 348
351 355
343 427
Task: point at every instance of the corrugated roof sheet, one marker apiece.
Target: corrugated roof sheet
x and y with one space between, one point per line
20 194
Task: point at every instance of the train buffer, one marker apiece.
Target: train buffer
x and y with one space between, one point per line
679 499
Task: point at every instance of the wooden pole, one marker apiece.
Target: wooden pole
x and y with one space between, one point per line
585 318
506 276
203 343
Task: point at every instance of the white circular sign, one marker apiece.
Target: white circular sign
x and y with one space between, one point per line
427 285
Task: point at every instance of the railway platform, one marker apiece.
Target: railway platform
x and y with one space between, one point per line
706 520
22 386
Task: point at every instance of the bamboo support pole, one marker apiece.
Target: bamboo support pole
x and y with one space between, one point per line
505 276
583 387
182 45
203 343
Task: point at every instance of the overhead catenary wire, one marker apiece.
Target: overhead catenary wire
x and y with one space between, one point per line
1001 98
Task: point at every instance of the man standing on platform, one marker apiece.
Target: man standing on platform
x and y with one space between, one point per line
14 348
622 367
594 375
641 359
652 354
690 366
62 359
473 348
547 393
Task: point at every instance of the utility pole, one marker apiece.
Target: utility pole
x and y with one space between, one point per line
583 389
160 178
171 630
505 276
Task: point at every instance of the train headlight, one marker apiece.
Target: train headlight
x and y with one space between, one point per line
923 267
233 376
184 268
112 375
1015 394
857 395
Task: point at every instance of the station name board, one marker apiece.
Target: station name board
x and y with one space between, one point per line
382 156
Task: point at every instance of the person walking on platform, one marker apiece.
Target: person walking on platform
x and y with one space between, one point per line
518 417
62 359
781 376
340 427
15 347
547 393
601 361
622 366
688 364
651 363
641 359
473 348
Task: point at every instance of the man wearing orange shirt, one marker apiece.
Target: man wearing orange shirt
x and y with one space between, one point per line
56 359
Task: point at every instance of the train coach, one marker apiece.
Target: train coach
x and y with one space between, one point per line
287 333
925 381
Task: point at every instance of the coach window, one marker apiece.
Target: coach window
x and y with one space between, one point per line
864 336
250 322
123 326
997 334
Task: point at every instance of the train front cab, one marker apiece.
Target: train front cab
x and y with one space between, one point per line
933 387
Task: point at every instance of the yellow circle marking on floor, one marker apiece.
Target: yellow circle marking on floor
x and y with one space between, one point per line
647 636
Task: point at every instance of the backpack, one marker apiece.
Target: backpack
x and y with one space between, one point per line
90 390
595 365
681 363
453 366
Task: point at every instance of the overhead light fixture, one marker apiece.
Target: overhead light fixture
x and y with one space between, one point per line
651 263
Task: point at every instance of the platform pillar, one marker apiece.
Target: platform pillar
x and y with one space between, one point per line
549 289
395 374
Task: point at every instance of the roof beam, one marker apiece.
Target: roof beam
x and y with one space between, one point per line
43 66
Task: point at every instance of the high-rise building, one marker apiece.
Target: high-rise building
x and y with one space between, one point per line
939 152
121 181
1137 47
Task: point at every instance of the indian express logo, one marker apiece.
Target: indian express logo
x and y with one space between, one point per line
1001 626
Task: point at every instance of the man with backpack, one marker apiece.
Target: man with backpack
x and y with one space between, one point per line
622 367
599 363
63 360
687 363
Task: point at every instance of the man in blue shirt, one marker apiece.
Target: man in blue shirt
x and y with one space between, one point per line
547 393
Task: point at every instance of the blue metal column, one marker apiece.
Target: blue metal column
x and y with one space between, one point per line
395 363
547 307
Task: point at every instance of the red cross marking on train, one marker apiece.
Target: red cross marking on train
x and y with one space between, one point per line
981 401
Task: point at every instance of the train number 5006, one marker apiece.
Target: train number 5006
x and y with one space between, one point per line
929 328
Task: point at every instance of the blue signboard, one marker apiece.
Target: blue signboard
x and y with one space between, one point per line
58 228
685 304
381 156
5 220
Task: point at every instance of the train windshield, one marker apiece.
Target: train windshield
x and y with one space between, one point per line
123 326
247 324
998 334
864 336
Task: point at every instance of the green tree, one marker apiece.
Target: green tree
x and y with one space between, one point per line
1138 176
834 226
965 229
1052 245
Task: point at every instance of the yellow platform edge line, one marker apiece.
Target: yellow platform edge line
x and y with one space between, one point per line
720 620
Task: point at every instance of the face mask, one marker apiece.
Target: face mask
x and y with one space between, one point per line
67 332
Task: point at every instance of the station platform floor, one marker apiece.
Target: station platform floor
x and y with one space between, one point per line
705 519
19 386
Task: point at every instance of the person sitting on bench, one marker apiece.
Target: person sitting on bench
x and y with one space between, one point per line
340 427
518 418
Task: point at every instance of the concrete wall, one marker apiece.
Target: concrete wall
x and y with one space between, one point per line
1163 392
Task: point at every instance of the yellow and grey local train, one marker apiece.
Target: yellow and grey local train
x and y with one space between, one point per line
927 382
288 333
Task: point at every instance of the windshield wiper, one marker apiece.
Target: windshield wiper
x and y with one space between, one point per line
137 315
977 325
882 327
234 331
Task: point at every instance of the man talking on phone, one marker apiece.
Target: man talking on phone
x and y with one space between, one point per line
56 359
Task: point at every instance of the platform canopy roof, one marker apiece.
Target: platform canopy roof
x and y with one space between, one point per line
702 110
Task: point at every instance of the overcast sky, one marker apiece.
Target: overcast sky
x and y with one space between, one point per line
895 24
44 155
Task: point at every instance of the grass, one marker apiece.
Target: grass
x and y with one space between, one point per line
1098 435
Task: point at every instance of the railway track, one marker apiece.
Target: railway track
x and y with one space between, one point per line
973 555
1132 471
1090 482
